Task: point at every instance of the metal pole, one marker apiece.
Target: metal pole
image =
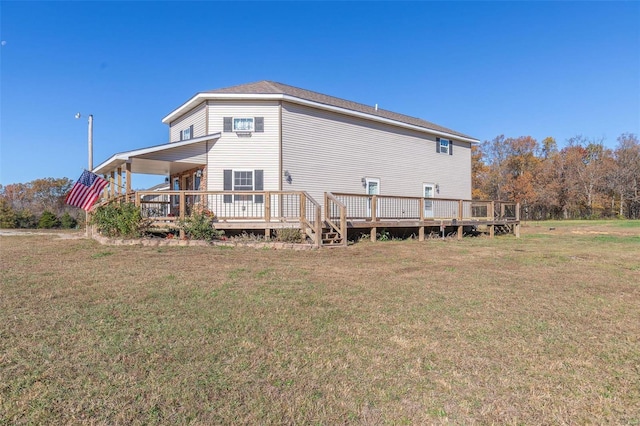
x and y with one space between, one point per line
91 142
90 149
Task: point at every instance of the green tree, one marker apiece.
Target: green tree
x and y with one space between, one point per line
67 221
48 220
7 215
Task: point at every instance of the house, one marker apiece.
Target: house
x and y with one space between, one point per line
268 137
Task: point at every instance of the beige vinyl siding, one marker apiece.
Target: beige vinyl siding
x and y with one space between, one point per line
195 117
260 151
326 151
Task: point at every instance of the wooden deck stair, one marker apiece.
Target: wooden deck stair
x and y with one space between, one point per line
331 238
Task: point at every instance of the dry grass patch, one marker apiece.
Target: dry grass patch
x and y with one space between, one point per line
544 329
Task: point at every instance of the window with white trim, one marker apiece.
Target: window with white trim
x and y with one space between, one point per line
242 181
186 133
243 124
444 146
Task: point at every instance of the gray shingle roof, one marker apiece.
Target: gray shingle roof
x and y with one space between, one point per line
272 87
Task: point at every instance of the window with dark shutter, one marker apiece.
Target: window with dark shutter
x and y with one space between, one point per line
438 145
227 124
259 124
258 185
450 147
227 184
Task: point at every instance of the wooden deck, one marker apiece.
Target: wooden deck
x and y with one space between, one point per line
330 223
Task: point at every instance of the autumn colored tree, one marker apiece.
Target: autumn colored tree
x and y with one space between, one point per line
624 179
28 201
587 165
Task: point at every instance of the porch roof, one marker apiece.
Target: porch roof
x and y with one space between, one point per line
165 159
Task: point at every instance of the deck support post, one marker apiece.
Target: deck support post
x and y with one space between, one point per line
182 212
267 215
491 217
516 226
318 223
421 217
303 212
374 230
460 227
343 226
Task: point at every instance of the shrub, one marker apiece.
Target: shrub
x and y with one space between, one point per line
199 226
25 219
120 220
67 221
289 235
48 220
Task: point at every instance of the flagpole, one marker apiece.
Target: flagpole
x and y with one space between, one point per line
90 138
90 151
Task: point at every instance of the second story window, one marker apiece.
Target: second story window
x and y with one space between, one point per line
243 124
444 146
186 133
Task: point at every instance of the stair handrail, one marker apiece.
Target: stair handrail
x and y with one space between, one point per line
341 229
316 223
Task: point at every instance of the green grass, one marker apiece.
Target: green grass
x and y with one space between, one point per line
542 329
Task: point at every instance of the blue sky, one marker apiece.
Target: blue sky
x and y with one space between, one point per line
542 69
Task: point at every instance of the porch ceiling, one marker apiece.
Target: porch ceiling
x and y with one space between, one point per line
165 159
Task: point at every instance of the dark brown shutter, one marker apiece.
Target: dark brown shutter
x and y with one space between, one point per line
438 145
191 132
259 124
228 124
258 185
450 147
227 184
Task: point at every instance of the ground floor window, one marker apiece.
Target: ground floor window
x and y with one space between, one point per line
244 180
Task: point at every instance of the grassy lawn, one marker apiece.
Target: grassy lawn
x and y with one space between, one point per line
544 329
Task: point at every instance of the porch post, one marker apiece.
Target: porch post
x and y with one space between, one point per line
112 183
127 171
119 189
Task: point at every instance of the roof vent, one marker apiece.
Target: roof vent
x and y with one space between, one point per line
376 107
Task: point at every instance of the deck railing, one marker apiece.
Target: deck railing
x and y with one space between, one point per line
296 207
299 209
387 207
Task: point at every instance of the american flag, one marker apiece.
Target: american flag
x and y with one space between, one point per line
86 190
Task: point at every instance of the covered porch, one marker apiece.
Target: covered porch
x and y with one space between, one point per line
182 166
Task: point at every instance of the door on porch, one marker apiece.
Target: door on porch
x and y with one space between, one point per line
428 191
373 188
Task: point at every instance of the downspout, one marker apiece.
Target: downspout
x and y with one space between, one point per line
280 146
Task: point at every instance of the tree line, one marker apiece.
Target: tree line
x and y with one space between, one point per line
582 180
38 204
